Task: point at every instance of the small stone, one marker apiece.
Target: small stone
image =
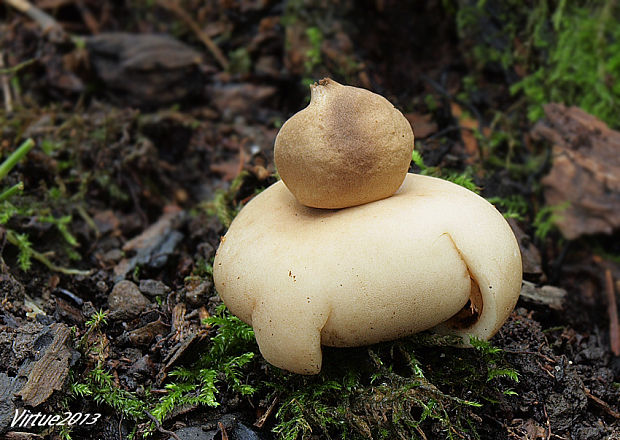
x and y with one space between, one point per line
153 288
195 433
242 432
112 256
126 301
197 292
142 367
143 336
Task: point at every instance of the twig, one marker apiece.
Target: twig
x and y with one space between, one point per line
612 309
68 294
87 16
602 404
15 435
175 8
261 421
417 428
223 430
10 236
158 426
547 423
47 23
13 70
535 353
6 87
120 427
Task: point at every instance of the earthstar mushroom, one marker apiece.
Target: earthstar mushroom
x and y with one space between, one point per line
431 256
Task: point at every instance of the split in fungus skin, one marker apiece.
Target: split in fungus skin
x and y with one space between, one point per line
433 255
348 147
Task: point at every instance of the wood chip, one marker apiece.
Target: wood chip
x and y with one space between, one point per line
48 373
8 387
145 335
179 323
204 314
586 171
153 244
530 255
551 296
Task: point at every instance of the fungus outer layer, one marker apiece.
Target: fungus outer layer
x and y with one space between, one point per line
305 277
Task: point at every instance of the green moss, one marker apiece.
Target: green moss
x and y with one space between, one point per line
409 388
101 388
546 219
222 206
240 61
313 54
570 51
513 206
583 66
464 178
400 389
8 209
223 365
232 350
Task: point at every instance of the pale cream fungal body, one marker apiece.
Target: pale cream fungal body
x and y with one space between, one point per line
306 277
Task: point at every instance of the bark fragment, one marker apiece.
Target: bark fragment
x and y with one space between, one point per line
49 371
585 172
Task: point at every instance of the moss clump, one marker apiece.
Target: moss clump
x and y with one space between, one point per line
222 365
400 389
566 52
231 350
223 204
411 388
464 179
583 64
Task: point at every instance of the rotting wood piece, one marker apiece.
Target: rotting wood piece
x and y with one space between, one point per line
551 296
146 70
153 246
47 374
530 256
144 335
8 386
14 435
190 345
585 172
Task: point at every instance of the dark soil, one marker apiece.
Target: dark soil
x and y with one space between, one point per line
137 134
